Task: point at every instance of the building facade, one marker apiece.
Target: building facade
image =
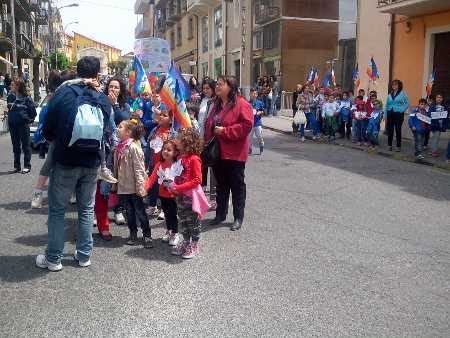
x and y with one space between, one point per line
81 42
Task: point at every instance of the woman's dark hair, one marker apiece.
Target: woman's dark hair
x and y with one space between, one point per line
273 77
211 83
400 84
263 80
232 95
22 88
122 99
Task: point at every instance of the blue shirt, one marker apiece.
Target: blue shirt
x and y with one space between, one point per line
257 106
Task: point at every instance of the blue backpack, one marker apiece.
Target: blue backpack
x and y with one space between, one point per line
85 122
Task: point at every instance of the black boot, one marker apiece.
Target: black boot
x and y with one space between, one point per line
236 225
217 220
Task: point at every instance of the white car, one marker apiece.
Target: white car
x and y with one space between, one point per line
34 125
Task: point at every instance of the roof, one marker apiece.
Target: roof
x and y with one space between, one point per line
103 43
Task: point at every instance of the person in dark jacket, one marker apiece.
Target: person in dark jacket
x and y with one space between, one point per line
21 112
73 171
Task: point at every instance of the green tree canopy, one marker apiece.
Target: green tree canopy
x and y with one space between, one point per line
63 62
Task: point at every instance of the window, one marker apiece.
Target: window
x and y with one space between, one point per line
172 39
191 27
218 67
179 35
78 46
205 69
268 40
258 42
205 34
218 27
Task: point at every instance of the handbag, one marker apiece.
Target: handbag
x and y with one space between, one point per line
270 95
300 117
211 150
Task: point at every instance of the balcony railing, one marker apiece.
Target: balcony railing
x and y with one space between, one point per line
41 17
141 6
267 14
35 5
143 28
411 7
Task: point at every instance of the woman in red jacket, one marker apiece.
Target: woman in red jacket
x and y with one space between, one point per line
232 132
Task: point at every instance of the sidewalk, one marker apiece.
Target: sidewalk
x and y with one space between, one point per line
283 124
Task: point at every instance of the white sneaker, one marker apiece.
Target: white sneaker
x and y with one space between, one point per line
95 221
107 176
80 263
119 219
315 137
174 239
166 236
161 216
42 262
302 139
73 199
36 202
152 210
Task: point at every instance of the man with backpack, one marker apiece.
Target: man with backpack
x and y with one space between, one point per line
75 121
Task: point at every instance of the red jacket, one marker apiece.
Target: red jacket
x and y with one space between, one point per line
191 173
237 125
163 192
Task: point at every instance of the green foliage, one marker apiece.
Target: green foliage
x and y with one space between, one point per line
117 66
63 62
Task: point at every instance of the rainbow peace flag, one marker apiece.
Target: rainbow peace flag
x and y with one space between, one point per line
333 77
132 76
174 93
430 83
141 84
372 71
316 77
153 78
355 77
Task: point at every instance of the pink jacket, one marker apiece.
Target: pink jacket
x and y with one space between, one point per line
237 125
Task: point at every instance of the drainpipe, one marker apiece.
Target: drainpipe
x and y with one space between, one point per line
14 42
391 49
224 69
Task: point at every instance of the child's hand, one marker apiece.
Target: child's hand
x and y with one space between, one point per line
141 194
413 128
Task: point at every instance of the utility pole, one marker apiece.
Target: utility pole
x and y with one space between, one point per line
14 42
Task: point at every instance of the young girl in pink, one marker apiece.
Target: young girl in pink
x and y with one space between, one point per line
164 173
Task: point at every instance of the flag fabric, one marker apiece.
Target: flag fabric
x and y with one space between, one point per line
326 82
333 77
174 94
430 83
132 76
153 78
310 78
355 78
316 78
141 83
372 71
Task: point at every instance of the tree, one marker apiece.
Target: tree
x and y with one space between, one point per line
112 65
63 62
121 65
73 62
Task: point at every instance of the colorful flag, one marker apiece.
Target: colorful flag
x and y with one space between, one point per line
174 94
316 77
141 83
326 82
430 83
310 78
132 76
153 78
372 70
355 78
333 77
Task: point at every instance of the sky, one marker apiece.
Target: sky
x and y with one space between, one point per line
108 21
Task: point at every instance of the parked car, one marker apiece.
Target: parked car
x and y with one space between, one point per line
34 125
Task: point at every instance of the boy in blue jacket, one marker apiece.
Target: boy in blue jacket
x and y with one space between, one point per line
258 111
419 121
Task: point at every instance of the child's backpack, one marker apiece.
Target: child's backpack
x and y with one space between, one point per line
85 123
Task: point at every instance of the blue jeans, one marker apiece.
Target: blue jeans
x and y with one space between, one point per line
361 126
63 182
419 138
153 192
273 105
265 101
135 206
310 117
20 137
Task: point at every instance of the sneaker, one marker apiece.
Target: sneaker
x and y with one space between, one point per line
447 160
95 221
419 157
358 144
430 152
36 202
161 216
191 251
132 239
80 263
148 242
42 262
166 236
366 144
250 151
107 176
315 137
332 137
119 219
73 199
302 139
181 248
435 153
424 147
261 150
152 210
174 239
398 149
353 140
389 148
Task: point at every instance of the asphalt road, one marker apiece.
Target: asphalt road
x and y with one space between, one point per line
335 242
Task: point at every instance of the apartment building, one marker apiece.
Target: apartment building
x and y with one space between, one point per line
81 42
420 43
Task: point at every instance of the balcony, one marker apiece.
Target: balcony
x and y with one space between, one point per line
46 33
161 4
200 7
168 22
267 14
174 11
26 45
25 49
37 44
143 29
411 7
22 9
141 6
35 5
41 18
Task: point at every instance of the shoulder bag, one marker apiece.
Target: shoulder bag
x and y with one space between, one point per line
211 151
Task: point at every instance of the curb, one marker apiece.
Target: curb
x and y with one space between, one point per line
375 152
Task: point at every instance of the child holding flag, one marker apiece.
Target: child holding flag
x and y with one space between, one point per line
419 121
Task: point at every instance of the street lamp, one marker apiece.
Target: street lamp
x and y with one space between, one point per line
64 30
56 15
